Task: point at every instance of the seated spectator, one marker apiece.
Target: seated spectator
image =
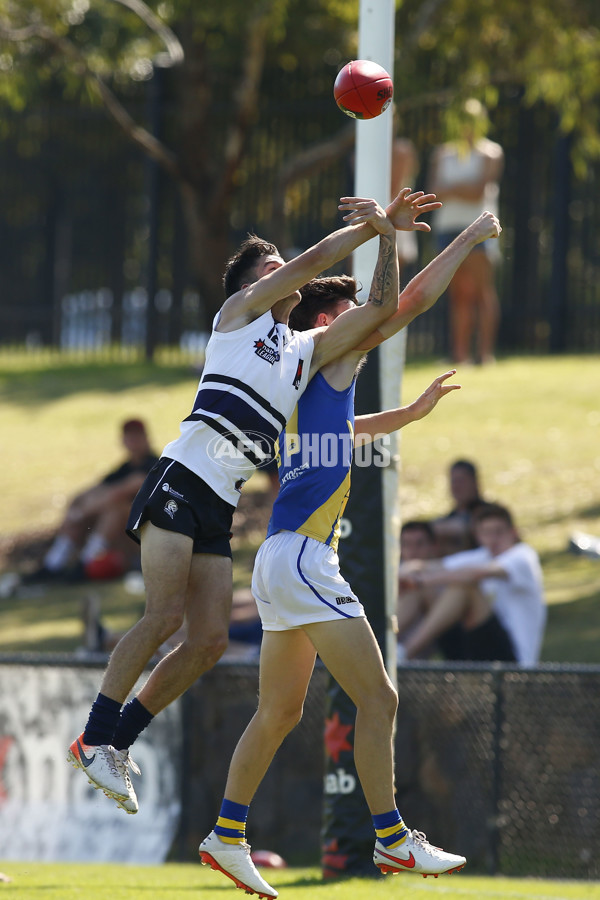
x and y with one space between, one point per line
454 531
91 539
417 542
481 604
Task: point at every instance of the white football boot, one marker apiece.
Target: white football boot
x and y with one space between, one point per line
124 763
234 861
418 856
101 767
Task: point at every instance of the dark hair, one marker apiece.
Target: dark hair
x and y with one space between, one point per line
322 294
238 269
420 525
492 511
465 464
132 425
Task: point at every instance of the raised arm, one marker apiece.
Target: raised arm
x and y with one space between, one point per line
418 573
355 324
368 427
258 297
424 289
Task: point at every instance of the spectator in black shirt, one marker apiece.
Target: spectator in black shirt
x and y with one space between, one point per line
88 540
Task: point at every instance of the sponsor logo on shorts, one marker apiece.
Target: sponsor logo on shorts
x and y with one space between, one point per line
171 508
169 490
341 600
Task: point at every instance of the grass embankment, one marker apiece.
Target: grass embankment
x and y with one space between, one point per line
531 424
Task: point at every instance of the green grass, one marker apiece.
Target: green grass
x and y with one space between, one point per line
531 424
69 881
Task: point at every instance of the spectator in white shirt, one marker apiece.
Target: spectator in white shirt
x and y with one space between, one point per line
490 602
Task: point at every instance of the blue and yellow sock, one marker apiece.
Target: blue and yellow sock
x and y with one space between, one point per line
390 829
231 824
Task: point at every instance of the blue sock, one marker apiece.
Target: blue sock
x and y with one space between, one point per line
134 718
390 829
231 824
104 718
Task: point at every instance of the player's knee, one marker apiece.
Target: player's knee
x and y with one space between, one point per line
208 648
281 720
290 718
165 624
387 699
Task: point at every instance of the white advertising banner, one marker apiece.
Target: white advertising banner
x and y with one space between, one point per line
48 811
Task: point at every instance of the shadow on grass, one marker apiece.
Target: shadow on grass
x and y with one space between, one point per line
64 379
573 631
584 512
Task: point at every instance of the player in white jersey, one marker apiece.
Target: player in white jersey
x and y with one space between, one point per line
307 607
255 370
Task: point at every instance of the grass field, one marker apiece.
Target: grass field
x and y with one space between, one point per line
68 881
531 424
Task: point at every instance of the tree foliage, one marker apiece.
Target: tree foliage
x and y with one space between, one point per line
238 52
548 52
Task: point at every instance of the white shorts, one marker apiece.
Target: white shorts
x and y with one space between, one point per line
297 581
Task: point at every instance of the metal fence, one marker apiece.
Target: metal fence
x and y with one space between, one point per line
493 761
76 206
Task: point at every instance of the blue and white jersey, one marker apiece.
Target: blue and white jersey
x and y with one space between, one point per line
315 459
251 382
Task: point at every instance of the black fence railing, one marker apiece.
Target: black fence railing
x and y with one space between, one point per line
91 252
493 761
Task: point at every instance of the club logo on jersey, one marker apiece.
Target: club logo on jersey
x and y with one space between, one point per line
298 375
269 354
171 508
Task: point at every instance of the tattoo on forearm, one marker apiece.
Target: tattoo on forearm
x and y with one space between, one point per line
384 277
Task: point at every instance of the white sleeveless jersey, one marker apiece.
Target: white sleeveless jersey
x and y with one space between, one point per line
250 385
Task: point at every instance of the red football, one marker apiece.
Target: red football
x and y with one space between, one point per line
363 89
268 859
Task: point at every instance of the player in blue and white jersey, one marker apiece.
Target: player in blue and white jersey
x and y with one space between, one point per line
305 604
255 370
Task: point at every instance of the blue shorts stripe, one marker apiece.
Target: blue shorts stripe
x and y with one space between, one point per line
314 590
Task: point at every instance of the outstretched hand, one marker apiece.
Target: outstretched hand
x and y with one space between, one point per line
429 399
363 209
404 209
485 226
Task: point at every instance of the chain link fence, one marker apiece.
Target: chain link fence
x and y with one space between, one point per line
492 761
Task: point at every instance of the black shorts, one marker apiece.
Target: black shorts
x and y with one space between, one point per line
488 642
175 499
